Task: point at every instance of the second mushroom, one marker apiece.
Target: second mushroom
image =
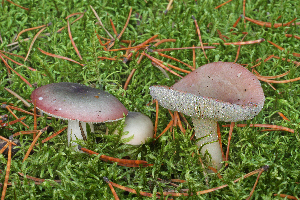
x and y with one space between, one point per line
79 104
220 91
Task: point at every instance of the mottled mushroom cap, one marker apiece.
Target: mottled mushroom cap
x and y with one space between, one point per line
222 91
78 102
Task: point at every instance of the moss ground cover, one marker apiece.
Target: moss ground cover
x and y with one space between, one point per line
82 175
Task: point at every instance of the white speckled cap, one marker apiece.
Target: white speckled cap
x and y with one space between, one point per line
75 101
222 91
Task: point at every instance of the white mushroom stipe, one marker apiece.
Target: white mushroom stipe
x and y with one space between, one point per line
75 131
207 130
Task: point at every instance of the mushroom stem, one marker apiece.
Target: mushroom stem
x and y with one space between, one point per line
207 130
91 127
74 132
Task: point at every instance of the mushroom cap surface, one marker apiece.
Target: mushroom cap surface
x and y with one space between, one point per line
75 101
139 126
222 91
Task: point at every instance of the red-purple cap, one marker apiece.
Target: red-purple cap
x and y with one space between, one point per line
75 101
222 91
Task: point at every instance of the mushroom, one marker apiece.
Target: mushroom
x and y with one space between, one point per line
78 103
139 126
220 91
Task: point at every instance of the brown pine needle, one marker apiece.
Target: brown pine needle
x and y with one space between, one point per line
264 126
278 18
255 184
36 179
24 111
128 48
256 65
239 43
268 24
33 142
185 120
166 129
295 36
283 117
287 196
33 40
111 188
161 65
140 59
8 67
264 168
100 22
169 6
273 81
172 66
12 122
172 58
121 162
163 41
183 48
132 190
18 97
106 58
273 77
78 18
222 4
7 172
246 43
229 139
72 41
194 58
288 60
129 78
179 123
53 135
3 148
20 64
7 107
17 5
257 74
268 58
127 21
239 49
7 140
277 46
113 27
28 29
235 24
220 35
61 57
74 14
139 47
34 119
12 54
25 133
199 35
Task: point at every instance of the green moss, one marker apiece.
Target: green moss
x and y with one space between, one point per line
82 174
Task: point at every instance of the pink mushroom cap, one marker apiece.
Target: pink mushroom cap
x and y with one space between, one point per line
74 101
222 91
